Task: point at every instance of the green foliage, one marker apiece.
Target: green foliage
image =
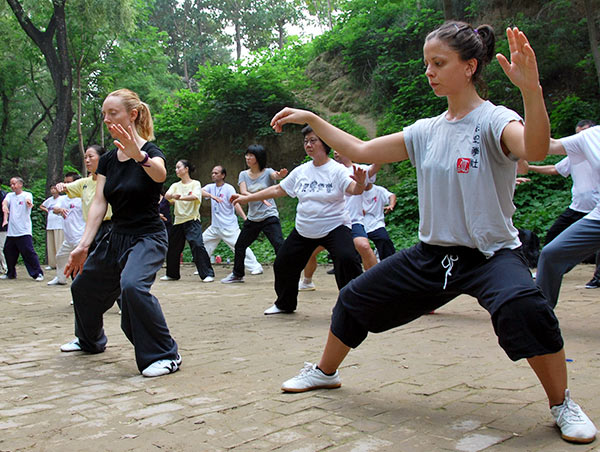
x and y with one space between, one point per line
231 102
347 123
568 112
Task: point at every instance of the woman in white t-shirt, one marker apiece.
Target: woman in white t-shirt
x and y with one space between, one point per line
321 220
466 166
187 197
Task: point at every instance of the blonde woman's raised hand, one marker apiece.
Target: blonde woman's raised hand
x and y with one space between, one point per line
125 141
522 69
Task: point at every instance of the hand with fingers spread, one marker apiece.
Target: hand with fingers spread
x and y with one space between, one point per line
522 70
359 176
76 260
125 141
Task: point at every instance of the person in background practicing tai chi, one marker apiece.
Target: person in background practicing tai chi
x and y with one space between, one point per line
126 259
223 222
465 160
321 220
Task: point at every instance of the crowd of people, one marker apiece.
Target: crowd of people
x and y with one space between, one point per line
115 223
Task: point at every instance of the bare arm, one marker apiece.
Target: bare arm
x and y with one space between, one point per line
392 204
240 211
548 170
529 141
274 191
5 212
95 217
244 189
386 149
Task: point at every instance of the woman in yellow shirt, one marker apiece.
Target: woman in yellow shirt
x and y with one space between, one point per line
186 195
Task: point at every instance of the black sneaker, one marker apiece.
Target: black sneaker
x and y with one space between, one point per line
594 283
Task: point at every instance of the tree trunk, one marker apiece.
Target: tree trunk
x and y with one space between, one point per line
238 40
57 60
79 131
448 15
5 123
329 14
593 34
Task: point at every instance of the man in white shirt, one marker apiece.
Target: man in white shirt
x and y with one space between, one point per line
224 224
17 214
577 241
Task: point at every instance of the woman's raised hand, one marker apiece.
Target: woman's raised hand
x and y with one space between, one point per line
522 69
289 115
359 176
125 141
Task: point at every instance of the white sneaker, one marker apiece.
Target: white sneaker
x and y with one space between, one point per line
196 272
47 267
39 277
208 279
311 378
167 278
275 310
574 425
306 287
72 346
162 367
5 276
257 272
55 281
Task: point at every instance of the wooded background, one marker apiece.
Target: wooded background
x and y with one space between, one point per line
364 72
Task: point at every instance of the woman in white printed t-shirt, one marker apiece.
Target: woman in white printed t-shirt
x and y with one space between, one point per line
321 220
465 160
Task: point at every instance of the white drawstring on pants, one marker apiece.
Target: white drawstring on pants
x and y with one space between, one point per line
448 262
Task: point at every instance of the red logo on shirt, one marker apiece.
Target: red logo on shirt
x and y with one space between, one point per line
463 165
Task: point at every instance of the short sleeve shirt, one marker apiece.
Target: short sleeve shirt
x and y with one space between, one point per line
465 181
584 192
74 222
320 192
19 218
132 194
374 201
85 188
258 210
585 145
185 211
54 221
222 213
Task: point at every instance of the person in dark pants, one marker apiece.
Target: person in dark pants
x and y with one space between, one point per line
465 159
126 259
187 197
17 215
321 220
377 201
262 215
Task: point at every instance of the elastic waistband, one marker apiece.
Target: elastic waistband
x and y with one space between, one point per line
461 251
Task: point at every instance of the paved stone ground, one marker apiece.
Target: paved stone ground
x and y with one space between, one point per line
438 384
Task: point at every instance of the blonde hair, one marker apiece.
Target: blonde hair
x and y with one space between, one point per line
143 123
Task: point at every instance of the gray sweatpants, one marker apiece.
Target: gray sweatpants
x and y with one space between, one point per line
126 266
568 249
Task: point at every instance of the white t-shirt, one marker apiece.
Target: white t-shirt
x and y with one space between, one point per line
585 145
585 195
74 222
19 218
465 182
374 200
222 213
54 221
354 203
320 192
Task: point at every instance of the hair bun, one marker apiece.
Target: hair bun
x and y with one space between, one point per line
488 38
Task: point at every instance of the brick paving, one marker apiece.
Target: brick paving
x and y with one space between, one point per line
440 383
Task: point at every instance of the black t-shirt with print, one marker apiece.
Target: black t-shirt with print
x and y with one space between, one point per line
132 194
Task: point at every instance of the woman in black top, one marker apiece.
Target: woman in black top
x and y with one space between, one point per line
125 261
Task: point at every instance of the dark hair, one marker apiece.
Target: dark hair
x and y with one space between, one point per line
96 148
260 153
585 123
73 174
223 171
191 168
308 129
469 43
